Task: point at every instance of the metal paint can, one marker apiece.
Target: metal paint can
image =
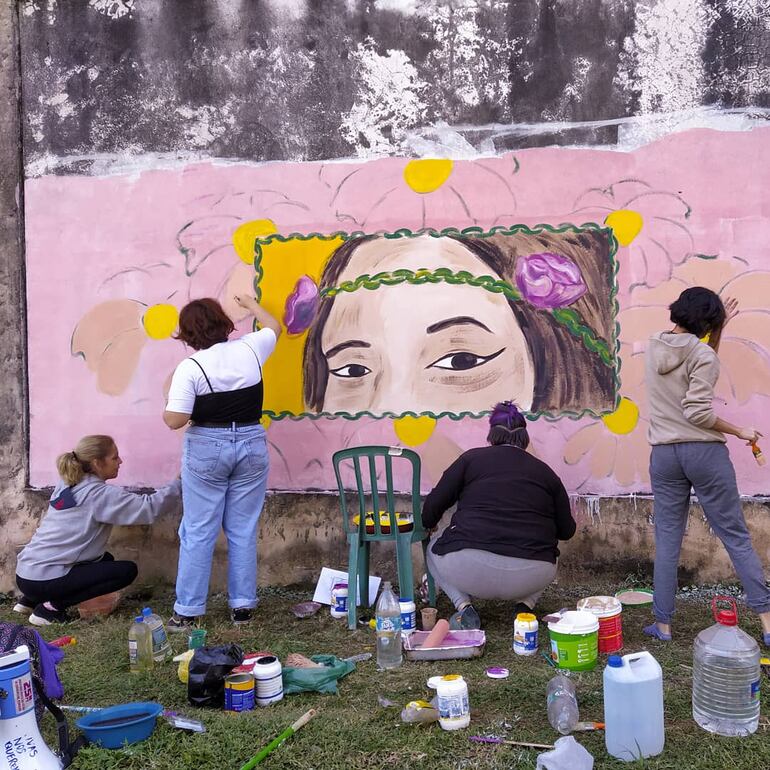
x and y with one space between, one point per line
239 692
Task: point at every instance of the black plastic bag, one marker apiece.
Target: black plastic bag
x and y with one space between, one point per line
208 668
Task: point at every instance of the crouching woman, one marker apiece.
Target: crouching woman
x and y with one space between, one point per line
66 562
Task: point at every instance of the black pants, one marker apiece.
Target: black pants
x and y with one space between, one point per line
86 580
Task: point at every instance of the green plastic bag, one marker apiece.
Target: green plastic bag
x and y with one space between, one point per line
316 679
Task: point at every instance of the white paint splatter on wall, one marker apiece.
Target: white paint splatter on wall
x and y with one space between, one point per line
388 102
115 9
662 59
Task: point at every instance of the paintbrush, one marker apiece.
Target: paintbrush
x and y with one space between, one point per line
287 733
494 739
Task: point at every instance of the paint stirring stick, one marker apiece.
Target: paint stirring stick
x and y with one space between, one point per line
497 741
287 733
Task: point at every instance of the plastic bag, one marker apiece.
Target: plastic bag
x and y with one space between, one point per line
316 679
208 668
420 711
567 754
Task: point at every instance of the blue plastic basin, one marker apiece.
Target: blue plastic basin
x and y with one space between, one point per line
136 723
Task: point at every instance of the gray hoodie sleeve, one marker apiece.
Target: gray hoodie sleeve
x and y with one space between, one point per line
116 505
703 371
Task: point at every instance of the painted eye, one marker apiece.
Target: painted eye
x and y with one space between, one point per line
462 361
351 371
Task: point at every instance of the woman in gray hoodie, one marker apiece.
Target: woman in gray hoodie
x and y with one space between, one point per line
66 562
689 452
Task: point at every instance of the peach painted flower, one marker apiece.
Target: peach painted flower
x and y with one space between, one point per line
616 445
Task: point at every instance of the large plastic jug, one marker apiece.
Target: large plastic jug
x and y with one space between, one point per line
726 675
633 706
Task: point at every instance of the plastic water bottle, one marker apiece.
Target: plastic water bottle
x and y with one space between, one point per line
726 676
388 614
139 646
562 704
161 648
633 706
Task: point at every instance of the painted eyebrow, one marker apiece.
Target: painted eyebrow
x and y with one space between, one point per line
459 320
344 346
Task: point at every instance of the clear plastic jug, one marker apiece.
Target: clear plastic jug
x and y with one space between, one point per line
726 675
633 706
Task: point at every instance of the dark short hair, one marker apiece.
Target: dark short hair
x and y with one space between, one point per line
507 425
698 310
203 323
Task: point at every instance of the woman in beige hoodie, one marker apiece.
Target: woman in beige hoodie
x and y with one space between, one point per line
689 452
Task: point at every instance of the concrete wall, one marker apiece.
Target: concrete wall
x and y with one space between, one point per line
163 142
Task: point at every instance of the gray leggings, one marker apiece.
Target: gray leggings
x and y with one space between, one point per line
705 466
472 573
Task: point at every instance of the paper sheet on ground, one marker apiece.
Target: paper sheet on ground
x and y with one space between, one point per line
327 579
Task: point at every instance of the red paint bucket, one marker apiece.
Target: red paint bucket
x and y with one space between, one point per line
608 611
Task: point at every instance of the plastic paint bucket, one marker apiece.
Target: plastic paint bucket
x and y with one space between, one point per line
608 611
268 680
575 641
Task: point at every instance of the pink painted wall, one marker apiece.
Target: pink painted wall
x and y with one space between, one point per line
91 240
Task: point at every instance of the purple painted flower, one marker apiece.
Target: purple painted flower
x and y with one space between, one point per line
301 306
549 280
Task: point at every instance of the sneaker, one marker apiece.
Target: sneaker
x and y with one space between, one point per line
181 624
43 616
24 606
241 616
465 620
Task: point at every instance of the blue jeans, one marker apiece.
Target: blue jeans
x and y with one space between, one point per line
705 467
224 478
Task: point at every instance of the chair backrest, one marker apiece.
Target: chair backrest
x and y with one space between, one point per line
382 496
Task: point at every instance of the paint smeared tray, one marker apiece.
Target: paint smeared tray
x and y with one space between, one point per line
456 646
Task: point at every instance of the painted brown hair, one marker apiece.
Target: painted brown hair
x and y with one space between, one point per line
203 323
568 376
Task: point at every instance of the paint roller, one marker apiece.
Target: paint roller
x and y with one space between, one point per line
436 636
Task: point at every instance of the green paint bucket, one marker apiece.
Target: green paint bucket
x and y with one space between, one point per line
575 640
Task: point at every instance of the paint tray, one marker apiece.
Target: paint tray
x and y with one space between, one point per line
456 646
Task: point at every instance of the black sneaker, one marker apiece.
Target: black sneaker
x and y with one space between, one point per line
42 616
241 616
181 624
24 606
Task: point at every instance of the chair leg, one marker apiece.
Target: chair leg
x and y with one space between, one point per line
404 563
363 573
431 582
353 551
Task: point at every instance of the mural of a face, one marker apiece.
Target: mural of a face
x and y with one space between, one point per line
423 348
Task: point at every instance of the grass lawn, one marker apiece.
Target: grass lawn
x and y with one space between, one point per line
352 730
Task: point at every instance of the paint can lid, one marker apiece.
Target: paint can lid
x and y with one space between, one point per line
526 617
497 672
601 606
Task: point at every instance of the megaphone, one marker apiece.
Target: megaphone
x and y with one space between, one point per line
21 745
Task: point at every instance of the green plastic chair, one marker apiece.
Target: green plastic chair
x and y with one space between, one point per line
359 540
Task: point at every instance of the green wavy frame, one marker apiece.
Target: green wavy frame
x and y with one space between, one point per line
566 316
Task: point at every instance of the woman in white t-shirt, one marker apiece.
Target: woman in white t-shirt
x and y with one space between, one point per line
218 391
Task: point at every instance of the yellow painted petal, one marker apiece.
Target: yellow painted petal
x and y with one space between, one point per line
160 321
427 175
626 225
414 431
624 418
245 235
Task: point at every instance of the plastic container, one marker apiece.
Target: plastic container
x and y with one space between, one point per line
388 625
725 676
454 711
339 600
115 726
139 646
633 706
268 680
575 641
161 647
525 641
561 704
609 612
408 615
196 638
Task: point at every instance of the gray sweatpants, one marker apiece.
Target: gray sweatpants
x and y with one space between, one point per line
705 466
470 573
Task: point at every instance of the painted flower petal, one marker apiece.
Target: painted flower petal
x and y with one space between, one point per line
301 305
549 280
